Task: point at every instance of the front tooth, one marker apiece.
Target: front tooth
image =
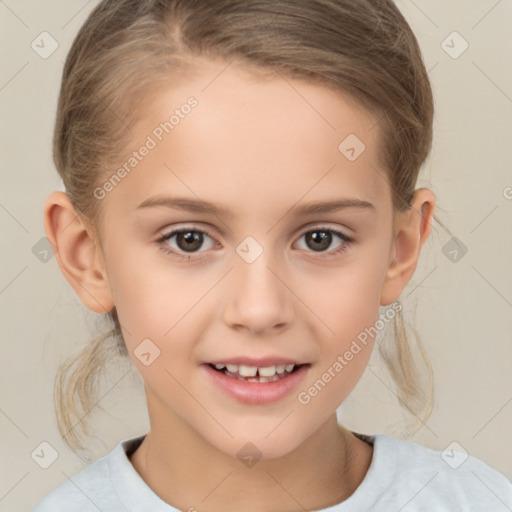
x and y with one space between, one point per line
267 371
289 367
280 369
233 368
247 371
219 366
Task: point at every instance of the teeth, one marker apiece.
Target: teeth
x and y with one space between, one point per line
247 371
259 379
267 371
253 372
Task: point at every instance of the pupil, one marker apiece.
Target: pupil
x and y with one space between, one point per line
322 238
193 240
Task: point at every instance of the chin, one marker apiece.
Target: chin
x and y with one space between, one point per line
248 448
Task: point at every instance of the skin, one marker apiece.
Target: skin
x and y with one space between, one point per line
259 147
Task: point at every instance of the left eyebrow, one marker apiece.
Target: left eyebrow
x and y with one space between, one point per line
332 206
199 206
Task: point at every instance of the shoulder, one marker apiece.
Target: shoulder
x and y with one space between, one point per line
450 479
78 492
91 489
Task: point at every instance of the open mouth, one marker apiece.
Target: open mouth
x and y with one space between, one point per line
255 384
256 374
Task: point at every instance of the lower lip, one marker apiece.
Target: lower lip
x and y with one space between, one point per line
257 393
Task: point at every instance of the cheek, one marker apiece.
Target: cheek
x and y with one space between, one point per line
152 298
348 305
346 300
163 314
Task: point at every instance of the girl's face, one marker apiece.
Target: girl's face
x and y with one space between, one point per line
274 269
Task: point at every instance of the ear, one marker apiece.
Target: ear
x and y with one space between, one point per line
411 230
77 252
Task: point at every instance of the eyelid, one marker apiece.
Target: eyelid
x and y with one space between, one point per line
344 233
198 255
165 233
180 229
345 239
331 226
168 231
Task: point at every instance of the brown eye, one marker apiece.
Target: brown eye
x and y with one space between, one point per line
318 240
189 241
182 241
321 239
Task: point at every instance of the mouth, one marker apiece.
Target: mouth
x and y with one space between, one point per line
257 382
261 374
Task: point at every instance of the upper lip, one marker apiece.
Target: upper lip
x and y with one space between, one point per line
260 363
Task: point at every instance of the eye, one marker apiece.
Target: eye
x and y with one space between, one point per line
185 242
179 242
320 239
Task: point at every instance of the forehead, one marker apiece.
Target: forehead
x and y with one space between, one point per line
262 140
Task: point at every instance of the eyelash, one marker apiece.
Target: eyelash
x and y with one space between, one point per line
347 241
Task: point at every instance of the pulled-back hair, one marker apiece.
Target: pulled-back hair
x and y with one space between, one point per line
128 49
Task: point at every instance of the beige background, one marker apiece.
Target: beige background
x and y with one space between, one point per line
463 308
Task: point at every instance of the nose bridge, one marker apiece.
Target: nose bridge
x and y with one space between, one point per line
258 300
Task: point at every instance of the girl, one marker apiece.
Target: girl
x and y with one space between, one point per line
240 199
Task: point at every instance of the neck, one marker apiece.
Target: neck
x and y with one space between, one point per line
188 473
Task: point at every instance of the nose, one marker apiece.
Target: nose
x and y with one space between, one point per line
259 299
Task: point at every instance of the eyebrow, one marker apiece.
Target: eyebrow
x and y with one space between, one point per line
200 206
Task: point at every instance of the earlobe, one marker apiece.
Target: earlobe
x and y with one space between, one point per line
412 230
77 253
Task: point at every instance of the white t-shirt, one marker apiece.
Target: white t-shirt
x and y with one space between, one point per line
403 476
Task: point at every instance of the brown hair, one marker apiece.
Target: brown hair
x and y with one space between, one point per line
128 48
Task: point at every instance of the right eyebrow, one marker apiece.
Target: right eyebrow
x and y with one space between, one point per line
187 204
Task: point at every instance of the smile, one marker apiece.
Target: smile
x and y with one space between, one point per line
255 373
256 385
